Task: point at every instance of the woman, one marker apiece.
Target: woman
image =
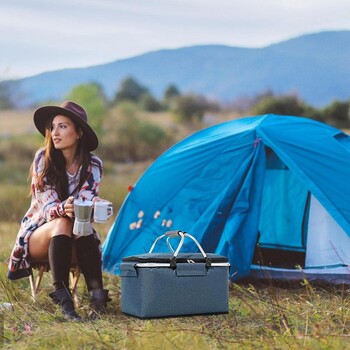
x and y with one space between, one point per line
62 171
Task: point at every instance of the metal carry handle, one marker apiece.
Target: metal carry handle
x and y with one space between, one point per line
173 234
168 234
167 242
183 235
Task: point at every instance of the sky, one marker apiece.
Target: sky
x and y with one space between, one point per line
44 35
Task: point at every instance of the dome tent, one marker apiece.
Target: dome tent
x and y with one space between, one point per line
267 190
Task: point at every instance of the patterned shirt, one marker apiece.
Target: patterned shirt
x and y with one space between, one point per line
46 206
73 180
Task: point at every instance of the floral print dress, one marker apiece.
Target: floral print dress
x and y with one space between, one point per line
46 206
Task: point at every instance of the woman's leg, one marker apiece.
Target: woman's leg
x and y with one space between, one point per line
89 260
52 242
40 239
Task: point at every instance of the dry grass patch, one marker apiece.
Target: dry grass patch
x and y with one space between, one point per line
16 122
260 317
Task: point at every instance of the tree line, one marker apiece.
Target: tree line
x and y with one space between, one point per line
191 106
128 134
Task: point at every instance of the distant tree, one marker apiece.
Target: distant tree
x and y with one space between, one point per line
92 98
7 89
170 92
131 138
314 113
130 90
285 105
337 114
150 103
192 107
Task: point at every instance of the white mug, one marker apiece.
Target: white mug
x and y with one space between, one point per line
103 210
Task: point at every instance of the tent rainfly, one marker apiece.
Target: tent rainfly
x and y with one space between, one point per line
269 192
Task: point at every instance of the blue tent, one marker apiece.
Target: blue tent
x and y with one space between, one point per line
269 192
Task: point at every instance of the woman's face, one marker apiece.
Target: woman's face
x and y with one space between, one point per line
63 133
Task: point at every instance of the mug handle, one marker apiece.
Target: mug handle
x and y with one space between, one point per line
109 210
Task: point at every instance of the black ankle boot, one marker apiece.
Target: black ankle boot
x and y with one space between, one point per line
98 302
63 298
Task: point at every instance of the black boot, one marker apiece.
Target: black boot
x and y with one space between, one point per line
89 260
60 256
98 302
63 298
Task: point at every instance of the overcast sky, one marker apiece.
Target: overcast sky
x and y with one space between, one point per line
43 35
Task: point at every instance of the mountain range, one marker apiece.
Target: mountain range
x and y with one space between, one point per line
314 66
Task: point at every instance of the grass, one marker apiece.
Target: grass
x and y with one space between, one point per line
16 122
260 317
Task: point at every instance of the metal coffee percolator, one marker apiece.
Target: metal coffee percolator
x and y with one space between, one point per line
82 223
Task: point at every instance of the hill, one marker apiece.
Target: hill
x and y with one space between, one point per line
315 66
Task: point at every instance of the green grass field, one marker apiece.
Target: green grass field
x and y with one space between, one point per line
260 317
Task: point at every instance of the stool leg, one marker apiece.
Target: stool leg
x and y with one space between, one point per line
32 286
35 284
74 279
42 269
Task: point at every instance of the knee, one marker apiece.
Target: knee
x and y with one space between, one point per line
63 226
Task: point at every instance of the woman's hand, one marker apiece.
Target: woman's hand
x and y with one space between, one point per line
69 207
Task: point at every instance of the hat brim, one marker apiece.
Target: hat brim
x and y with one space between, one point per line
42 114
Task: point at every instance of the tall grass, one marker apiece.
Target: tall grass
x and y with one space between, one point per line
14 194
260 317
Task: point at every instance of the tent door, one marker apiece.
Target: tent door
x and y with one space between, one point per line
283 217
327 243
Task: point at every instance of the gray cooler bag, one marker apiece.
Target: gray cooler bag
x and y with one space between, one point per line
174 284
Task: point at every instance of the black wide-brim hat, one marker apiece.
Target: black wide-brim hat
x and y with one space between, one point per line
71 110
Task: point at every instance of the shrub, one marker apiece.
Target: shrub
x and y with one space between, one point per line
284 105
150 104
130 138
130 90
338 114
191 107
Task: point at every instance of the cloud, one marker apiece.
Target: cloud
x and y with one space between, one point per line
43 35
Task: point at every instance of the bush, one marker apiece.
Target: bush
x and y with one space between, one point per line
130 90
171 93
284 105
150 104
129 138
9 94
338 114
191 107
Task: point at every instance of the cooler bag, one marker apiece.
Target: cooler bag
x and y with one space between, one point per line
174 284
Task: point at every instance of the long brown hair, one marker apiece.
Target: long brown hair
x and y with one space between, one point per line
54 172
